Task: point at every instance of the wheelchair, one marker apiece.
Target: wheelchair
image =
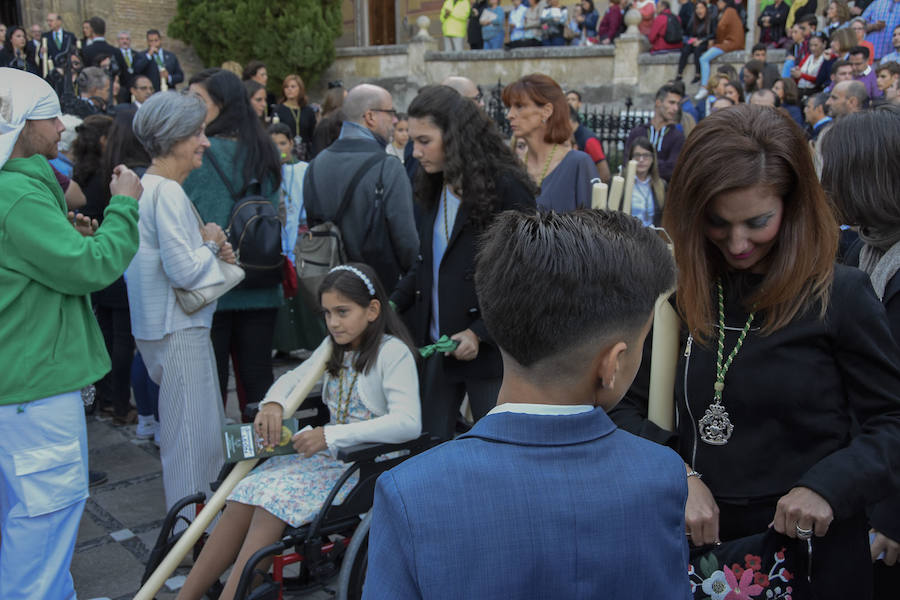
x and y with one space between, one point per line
334 544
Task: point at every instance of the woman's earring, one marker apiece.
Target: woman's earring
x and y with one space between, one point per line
544 121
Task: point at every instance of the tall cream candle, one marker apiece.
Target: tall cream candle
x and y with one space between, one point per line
615 193
630 172
663 362
598 196
45 64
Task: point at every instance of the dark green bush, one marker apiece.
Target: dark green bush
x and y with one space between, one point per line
295 36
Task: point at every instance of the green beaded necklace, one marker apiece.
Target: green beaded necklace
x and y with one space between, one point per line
715 426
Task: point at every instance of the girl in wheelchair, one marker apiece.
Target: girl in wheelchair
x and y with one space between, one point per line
371 389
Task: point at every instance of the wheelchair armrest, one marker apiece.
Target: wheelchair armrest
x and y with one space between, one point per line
369 452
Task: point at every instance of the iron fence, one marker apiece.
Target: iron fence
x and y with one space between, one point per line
610 124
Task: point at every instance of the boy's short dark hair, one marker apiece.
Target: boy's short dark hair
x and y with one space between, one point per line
810 20
549 283
280 128
758 47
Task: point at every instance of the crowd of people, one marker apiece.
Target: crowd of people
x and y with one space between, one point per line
477 276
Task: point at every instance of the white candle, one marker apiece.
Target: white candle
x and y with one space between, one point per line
598 196
663 362
630 172
615 193
45 64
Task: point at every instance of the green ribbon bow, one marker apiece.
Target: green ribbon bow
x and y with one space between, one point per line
444 344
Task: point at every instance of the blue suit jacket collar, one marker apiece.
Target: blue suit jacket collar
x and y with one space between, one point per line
542 430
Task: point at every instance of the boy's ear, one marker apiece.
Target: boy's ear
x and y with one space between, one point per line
608 364
373 310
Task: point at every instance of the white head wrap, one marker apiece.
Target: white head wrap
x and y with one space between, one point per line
23 97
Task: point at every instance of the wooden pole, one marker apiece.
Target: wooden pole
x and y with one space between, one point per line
201 522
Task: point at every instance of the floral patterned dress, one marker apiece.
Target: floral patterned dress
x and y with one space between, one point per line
293 487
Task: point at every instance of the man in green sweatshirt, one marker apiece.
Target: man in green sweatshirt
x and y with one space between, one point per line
50 344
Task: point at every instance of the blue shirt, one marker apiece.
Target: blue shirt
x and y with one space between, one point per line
295 213
889 12
62 164
491 31
642 201
443 230
892 57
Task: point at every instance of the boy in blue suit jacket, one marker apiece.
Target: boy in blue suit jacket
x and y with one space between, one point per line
545 497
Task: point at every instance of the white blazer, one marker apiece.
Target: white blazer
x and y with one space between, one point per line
390 390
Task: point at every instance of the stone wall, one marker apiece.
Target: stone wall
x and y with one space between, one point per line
603 74
120 15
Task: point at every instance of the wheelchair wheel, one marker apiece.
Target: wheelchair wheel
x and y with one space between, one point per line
356 559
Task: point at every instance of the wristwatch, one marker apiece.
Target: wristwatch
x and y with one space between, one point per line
213 247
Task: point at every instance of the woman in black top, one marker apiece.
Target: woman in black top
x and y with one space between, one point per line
13 53
468 174
859 174
295 112
787 395
700 30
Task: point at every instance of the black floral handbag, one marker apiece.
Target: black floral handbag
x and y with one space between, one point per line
764 566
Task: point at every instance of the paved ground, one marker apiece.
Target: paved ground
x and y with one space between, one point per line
123 516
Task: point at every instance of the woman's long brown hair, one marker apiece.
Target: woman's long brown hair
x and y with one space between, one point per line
739 147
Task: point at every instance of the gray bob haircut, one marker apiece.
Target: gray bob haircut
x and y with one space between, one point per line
167 118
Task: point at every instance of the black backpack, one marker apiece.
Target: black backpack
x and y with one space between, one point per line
254 231
674 33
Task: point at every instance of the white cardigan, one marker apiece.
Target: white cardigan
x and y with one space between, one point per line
390 390
171 254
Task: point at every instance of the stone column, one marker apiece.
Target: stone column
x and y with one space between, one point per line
629 46
421 43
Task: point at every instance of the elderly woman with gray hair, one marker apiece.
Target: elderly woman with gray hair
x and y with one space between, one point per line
177 252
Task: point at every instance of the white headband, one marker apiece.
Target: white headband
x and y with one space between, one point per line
23 97
359 274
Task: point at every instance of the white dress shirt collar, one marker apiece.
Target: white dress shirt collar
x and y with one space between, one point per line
541 409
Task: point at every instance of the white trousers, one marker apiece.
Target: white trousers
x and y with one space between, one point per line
43 488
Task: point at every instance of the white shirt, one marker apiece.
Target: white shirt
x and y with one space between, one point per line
171 254
541 409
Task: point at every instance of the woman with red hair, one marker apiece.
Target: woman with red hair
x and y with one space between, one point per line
538 114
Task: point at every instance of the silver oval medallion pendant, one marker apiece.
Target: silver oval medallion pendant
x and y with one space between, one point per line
715 426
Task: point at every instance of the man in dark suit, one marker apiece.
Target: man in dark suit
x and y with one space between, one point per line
131 63
160 65
97 47
59 41
544 497
33 47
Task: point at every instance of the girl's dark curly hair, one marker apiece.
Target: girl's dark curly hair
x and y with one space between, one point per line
87 148
475 154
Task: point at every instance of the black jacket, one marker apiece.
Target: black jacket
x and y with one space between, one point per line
459 307
95 50
151 70
389 226
815 404
128 73
54 49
